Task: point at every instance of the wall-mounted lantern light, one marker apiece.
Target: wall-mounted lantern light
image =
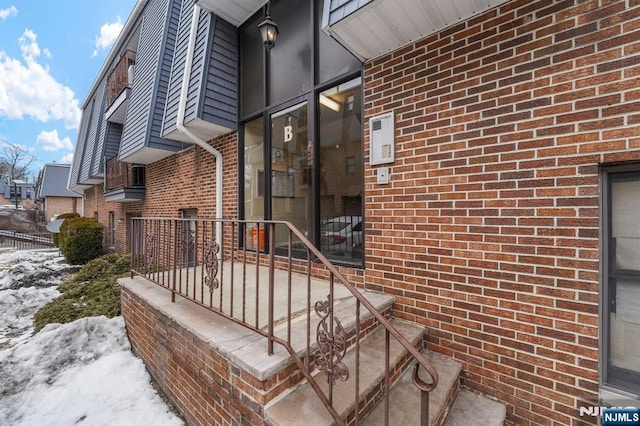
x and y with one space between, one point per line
268 30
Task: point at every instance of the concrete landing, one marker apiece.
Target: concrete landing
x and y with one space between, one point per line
242 346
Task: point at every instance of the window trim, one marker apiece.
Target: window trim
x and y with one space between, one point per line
607 173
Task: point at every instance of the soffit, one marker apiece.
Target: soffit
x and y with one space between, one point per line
372 28
233 11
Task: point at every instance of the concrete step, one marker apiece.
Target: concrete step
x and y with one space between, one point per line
448 406
470 409
404 398
302 405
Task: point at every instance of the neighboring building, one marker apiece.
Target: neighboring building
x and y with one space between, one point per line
23 191
53 195
485 153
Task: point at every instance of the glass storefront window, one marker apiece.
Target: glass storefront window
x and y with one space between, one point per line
341 172
314 177
254 169
289 169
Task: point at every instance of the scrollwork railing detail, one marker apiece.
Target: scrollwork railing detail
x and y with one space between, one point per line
211 250
149 250
332 344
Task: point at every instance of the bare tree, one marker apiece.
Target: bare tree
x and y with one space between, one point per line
15 163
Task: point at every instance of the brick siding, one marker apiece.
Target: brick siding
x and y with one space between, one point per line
54 206
181 181
489 230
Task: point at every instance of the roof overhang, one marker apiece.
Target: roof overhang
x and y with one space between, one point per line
233 11
382 26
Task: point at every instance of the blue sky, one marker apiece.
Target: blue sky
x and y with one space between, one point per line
50 54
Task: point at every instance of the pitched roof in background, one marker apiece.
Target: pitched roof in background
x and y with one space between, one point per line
54 181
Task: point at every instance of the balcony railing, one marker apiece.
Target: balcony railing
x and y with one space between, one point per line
227 277
120 175
120 77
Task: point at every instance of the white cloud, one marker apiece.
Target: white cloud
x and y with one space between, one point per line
29 46
50 141
66 159
28 89
109 32
10 11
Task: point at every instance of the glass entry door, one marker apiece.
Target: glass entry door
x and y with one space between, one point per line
623 288
290 170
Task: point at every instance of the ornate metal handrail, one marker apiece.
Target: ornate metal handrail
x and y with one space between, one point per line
185 256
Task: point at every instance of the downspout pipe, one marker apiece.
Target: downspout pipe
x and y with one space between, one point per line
182 105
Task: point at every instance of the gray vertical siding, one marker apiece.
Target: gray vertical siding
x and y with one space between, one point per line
212 93
177 70
206 26
80 145
220 100
101 126
85 161
112 140
89 151
143 121
97 113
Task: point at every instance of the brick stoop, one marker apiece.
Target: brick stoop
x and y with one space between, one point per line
217 372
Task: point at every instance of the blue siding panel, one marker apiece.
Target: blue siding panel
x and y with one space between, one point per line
80 146
212 93
101 125
205 24
220 101
143 120
177 70
112 140
97 112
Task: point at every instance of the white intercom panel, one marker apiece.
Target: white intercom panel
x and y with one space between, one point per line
382 132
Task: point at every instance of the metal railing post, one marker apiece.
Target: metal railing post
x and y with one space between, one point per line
272 236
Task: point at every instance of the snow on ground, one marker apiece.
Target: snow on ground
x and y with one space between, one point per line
82 372
30 268
27 282
17 308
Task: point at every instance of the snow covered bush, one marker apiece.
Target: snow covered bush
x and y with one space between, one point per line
93 291
81 239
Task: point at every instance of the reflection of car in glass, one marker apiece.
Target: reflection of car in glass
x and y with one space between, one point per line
341 233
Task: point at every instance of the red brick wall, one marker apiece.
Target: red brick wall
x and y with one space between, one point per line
58 205
186 180
489 230
205 387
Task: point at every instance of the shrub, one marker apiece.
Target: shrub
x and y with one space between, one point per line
81 239
56 237
92 291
